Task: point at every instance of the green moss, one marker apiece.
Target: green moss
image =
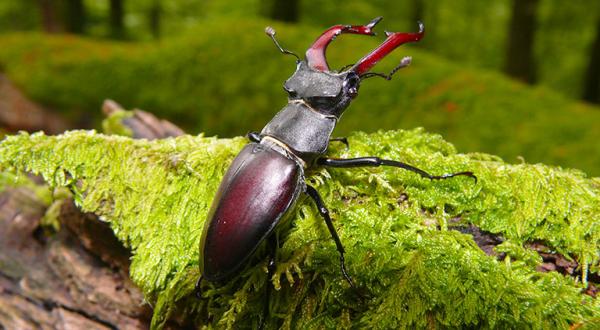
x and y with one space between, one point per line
14 180
414 271
113 123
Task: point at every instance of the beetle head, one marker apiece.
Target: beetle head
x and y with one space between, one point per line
331 92
328 93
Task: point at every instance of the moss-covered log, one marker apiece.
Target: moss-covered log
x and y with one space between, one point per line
412 267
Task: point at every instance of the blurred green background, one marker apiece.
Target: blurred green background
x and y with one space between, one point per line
513 78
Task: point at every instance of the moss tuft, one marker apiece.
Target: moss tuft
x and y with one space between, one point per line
396 227
113 123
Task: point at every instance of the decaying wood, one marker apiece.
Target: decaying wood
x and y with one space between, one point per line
52 281
485 240
144 125
17 112
96 236
551 260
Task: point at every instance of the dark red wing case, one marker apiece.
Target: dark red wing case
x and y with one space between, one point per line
257 190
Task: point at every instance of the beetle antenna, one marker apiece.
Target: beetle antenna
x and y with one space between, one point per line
197 289
270 31
345 67
403 63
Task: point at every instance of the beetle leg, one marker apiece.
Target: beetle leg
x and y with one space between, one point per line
376 161
271 266
254 137
344 140
197 288
312 192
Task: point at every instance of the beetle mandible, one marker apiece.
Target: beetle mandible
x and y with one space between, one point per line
266 178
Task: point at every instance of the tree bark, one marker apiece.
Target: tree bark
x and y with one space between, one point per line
50 23
117 28
154 15
417 12
75 16
520 62
287 11
591 89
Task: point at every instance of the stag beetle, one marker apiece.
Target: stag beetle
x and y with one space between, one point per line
266 178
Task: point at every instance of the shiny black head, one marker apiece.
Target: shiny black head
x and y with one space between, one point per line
328 93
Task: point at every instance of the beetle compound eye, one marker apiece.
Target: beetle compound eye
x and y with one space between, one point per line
353 91
351 85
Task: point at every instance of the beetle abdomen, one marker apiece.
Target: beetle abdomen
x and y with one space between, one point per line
257 190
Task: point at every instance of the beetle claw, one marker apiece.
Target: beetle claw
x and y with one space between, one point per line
198 292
